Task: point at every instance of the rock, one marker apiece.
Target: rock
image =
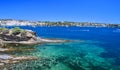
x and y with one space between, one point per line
5 31
15 49
9 59
25 58
16 35
1 64
28 34
20 36
3 49
5 57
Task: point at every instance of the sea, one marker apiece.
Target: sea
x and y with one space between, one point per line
91 48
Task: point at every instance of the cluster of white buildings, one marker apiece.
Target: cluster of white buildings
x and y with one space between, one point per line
14 23
20 23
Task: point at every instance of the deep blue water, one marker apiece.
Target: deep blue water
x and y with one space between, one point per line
99 51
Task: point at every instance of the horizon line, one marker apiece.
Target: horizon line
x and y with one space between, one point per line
57 21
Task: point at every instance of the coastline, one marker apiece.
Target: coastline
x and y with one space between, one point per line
39 41
12 22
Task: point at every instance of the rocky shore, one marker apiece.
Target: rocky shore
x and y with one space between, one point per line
20 36
10 41
10 59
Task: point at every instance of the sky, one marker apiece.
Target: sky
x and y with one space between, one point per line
101 11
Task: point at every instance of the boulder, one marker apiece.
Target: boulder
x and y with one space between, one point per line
5 32
8 59
2 65
18 35
5 57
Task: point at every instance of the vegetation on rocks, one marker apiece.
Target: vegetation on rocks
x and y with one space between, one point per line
16 34
16 42
4 30
23 36
17 30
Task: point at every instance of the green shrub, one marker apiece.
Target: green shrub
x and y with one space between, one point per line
16 30
3 29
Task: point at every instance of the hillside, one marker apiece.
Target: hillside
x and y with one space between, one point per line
11 22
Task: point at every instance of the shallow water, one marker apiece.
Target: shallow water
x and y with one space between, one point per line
99 51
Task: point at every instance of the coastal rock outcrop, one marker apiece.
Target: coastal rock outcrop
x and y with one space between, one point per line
17 34
9 59
20 36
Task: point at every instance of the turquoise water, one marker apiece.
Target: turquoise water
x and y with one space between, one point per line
99 50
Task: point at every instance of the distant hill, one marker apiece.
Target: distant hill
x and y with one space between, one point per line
12 22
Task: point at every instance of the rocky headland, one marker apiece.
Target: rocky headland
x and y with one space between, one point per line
10 41
20 36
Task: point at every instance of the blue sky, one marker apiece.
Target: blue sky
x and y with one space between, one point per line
105 11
